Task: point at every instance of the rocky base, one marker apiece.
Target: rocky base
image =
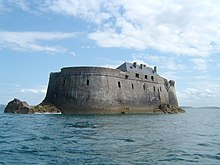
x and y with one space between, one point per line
22 107
168 109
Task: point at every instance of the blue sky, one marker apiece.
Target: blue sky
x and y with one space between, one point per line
181 38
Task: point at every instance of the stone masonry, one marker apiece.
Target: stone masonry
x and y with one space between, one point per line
131 88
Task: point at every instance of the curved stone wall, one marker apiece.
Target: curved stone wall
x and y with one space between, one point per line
94 90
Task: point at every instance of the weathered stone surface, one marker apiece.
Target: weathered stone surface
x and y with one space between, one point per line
22 107
45 108
168 109
130 88
17 106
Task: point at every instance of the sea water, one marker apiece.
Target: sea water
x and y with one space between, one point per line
187 138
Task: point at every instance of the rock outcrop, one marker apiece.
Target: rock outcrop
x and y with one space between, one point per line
168 109
17 106
22 107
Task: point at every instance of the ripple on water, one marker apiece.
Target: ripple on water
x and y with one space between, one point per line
208 156
128 140
203 144
114 139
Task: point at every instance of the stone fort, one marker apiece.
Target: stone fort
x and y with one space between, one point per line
130 88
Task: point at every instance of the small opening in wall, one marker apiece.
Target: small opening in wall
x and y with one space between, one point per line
154 89
126 76
152 78
145 76
137 75
160 89
132 85
64 82
119 84
87 82
144 87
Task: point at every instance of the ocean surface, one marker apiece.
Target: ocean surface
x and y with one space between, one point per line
188 138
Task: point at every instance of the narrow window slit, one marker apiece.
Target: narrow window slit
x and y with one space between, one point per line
64 82
119 84
152 78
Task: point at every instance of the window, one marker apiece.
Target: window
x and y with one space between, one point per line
119 84
64 82
152 78
160 89
145 76
87 82
137 75
126 76
132 85
144 87
154 89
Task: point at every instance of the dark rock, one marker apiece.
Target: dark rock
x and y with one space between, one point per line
17 106
22 107
169 109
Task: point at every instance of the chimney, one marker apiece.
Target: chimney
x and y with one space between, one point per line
141 66
135 64
155 69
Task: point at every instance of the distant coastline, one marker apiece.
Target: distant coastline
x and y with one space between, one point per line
205 107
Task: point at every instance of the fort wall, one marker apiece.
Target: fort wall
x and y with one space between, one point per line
94 90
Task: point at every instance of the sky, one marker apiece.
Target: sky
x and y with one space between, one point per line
180 37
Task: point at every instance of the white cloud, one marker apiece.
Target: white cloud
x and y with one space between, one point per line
205 91
199 97
2 8
164 62
32 94
171 75
72 54
191 91
200 64
179 27
90 10
6 6
111 66
32 41
23 4
37 90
